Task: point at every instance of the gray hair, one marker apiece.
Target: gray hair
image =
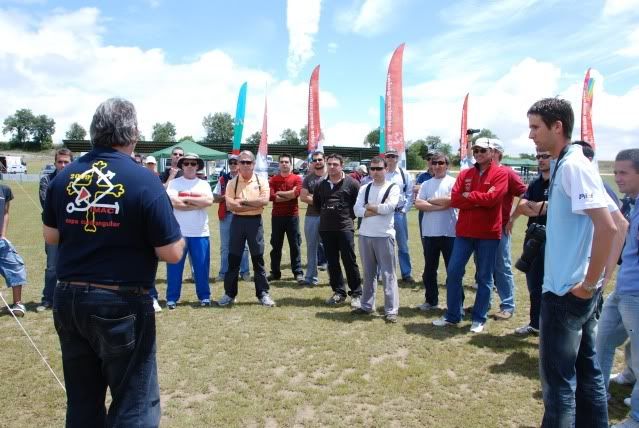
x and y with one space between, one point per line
439 155
247 153
114 124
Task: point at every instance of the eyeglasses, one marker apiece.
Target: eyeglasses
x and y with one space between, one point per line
376 168
233 162
438 162
542 157
317 160
246 162
391 156
189 163
334 164
480 150
178 154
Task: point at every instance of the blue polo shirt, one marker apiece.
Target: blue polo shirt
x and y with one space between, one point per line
577 187
628 275
110 214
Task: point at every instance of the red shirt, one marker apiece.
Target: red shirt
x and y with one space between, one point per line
291 182
480 211
516 187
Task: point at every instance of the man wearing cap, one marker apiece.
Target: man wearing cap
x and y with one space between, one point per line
225 217
174 171
151 164
360 173
285 188
191 197
477 193
395 174
246 196
504 281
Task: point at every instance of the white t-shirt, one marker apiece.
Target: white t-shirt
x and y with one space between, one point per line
192 223
583 183
381 225
438 223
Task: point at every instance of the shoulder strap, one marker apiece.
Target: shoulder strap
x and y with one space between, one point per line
366 192
387 192
401 171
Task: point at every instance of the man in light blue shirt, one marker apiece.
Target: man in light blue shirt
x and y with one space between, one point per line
579 238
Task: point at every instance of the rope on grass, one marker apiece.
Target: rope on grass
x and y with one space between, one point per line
33 343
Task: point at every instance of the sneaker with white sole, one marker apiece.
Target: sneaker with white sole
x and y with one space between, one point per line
205 303
356 302
246 277
626 423
622 379
627 401
335 299
44 306
442 322
477 327
156 305
225 300
267 301
171 305
526 330
425 307
18 309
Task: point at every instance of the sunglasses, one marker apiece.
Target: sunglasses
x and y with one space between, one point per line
391 156
189 163
438 162
234 162
376 168
334 164
178 154
246 162
482 150
542 157
317 160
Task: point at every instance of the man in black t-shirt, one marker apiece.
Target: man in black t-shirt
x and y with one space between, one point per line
112 221
173 171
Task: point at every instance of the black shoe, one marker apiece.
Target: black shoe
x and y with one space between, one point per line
360 311
336 299
408 279
272 277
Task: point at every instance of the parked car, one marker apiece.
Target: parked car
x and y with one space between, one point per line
48 169
350 167
273 168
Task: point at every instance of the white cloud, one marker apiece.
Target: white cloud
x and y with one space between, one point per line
632 49
475 15
302 21
332 47
617 7
367 18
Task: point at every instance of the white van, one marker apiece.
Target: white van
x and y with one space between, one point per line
13 165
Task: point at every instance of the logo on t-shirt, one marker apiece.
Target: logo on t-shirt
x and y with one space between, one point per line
94 192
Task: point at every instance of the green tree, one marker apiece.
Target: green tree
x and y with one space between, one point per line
186 138
20 126
529 156
304 135
485 132
163 132
218 127
76 132
289 136
254 138
372 139
141 136
414 159
42 130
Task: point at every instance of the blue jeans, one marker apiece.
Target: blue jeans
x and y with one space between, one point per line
620 321
571 379
314 248
401 236
199 250
534 281
225 235
463 248
107 339
504 275
50 277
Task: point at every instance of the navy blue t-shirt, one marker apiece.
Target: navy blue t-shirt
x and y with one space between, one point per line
537 191
110 214
6 195
424 176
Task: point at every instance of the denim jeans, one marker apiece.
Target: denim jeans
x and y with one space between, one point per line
50 277
504 281
463 248
314 248
107 339
225 235
341 244
535 281
401 236
289 225
571 379
433 247
620 321
198 248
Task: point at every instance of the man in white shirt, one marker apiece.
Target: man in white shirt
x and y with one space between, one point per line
191 197
438 225
376 203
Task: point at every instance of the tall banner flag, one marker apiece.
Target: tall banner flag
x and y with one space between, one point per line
261 163
382 125
587 133
464 154
395 106
239 119
315 139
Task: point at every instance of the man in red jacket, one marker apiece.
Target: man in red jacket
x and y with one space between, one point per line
285 189
478 193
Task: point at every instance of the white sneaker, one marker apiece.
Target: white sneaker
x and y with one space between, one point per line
526 330
621 379
477 327
425 307
626 401
356 302
626 423
156 305
225 300
267 301
442 322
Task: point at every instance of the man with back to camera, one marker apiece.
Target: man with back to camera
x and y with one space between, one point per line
285 188
191 198
63 157
578 212
376 203
112 220
335 197
477 193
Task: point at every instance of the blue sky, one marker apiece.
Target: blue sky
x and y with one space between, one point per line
179 61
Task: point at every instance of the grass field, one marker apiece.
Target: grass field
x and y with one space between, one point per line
299 364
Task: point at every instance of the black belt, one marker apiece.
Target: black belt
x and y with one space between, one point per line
114 288
248 216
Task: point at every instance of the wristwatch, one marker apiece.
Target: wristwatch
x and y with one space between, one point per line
589 288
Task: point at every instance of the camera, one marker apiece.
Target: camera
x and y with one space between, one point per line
534 241
472 131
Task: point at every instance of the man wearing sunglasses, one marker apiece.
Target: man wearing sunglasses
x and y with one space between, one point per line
404 180
173 171
477 193
226 217
191 197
